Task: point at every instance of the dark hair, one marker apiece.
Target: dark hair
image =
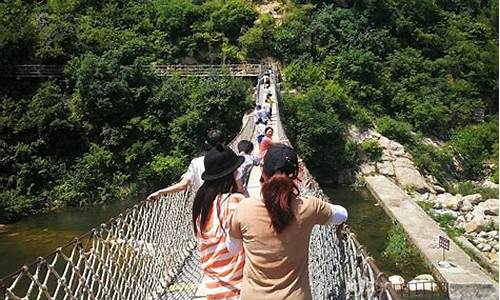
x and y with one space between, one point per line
205 196
278 192
267 128
245 146
214 137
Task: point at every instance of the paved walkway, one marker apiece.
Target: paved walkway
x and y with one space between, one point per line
465 281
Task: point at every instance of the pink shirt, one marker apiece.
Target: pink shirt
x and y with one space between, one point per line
264 145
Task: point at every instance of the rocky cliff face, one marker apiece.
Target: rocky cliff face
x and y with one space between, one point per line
395 162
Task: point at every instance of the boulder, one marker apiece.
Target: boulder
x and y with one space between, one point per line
439 189
489 185
442 212
425 196
490 207
385 168
367 169
493 257
466 205
447 200
396 147
384 142
474 198
437 205
431 179
475 225
460 220
374 133
484 247
427 277
483 235
479 240
365 135
478 211
493 234
408 176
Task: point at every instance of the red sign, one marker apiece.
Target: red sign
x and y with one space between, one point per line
444 243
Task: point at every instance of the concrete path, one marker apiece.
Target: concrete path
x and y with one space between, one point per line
465 281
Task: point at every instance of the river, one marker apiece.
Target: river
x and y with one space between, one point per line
22 242
371 225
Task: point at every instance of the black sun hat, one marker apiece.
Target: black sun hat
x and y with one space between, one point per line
280 157
220 161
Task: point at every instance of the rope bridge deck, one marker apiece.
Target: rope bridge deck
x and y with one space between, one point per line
149 252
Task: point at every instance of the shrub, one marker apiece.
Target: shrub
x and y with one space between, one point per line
303 75
14 205
475 145
371 150
446 222
401 250
396 130
434 160
468 188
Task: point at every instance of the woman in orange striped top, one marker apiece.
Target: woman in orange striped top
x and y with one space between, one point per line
213 207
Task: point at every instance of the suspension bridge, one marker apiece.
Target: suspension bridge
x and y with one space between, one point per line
149 251
53 71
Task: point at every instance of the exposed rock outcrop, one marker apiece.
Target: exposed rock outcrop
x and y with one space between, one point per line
395 161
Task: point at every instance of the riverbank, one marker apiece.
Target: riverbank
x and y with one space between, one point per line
465 279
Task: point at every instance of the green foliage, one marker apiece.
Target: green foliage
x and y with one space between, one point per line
95 178
17 31
475 146
13 205
371 150
400 249
291 39
435 161
396 130
469 188
302 75
491 226
256 41
446 222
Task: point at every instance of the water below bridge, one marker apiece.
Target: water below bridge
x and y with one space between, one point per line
22 242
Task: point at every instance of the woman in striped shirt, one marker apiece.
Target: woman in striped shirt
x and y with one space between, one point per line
213 207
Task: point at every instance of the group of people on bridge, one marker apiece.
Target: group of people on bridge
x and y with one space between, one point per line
252 247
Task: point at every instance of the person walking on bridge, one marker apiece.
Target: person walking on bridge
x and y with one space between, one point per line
266 141
275 231
213 207
192 177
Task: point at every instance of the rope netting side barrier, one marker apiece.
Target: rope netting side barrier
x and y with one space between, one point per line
339 267
137 255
